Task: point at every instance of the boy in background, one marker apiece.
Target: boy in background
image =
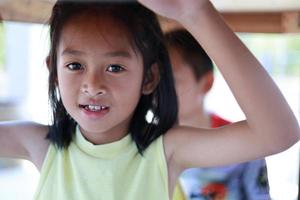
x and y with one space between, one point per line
193 72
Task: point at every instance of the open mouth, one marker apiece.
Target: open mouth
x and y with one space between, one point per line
94 108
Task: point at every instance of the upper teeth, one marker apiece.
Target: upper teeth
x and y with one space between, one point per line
95 107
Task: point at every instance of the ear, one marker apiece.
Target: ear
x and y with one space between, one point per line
151 80
206 82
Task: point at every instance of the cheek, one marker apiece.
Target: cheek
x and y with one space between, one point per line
180 88
67 88
129 93
186 92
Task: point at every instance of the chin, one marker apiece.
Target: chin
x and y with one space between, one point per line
91 128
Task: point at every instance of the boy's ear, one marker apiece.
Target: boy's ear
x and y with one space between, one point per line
151 80
207 82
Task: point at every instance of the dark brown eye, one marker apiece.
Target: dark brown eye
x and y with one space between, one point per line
115 68
74 66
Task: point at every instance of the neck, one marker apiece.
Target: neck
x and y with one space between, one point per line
197 118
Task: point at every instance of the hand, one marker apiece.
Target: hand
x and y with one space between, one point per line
175 9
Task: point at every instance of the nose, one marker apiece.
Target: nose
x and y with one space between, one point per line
94 84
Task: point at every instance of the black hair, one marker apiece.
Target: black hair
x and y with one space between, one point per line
190 50
147 37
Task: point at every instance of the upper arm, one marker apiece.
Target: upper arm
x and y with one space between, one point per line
24 140
192 147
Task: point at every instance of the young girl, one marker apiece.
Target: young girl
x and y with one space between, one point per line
108 67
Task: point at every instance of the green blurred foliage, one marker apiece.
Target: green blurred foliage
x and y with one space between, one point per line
279 53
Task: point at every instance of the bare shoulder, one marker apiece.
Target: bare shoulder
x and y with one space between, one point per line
175 138
24 139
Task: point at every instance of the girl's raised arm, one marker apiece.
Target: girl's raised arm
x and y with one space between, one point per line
270 126
24 140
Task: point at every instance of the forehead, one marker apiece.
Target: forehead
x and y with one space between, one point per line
95 30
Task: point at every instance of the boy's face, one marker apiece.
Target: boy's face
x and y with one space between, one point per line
189 90
99 76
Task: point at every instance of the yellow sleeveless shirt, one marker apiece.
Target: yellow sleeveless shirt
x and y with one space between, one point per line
114 171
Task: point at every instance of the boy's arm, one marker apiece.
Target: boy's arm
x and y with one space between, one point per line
270 127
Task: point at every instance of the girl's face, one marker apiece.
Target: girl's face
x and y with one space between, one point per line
100 76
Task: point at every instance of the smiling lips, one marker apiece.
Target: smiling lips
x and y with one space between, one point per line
93 108
94 111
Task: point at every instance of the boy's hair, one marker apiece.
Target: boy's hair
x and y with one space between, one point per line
190 50
148 39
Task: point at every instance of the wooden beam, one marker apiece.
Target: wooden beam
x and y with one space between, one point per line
271 22
242 16
35 11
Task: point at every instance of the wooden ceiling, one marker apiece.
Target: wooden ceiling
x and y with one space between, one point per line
268 16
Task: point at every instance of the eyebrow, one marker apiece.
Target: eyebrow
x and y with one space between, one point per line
118 53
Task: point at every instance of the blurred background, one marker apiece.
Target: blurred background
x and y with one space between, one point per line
271 32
